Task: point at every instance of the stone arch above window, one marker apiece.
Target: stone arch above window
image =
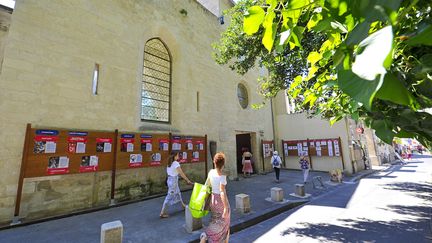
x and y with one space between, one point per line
156 82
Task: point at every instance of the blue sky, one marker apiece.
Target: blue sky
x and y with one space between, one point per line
8 3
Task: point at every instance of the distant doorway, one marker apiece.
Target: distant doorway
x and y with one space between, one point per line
243 142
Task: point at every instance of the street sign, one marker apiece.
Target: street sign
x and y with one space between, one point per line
359 130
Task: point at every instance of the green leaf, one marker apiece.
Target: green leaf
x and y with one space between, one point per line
253 20
316 18
359 33
338 26
272 3
338 57
393 90
269 31
377 48
383 130
297 4
297 80
359 89
423 37
294 15
404 134
314 57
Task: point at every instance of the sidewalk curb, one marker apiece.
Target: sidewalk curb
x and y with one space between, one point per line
256 220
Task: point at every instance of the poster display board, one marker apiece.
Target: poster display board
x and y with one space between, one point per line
312 147
191 148
60 151
138 150
268 147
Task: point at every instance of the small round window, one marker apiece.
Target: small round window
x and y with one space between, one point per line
242 96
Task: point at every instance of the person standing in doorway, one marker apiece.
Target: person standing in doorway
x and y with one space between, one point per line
304 164
247 162
276 163
173 196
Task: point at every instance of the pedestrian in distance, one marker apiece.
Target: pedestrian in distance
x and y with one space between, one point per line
276 163
304 164
218 229
247 162
174 195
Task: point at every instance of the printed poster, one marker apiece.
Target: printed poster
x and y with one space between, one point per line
330 147
155 159
336 147
146 145
189 144
45 144
318 148
286 149
183 157
199 145
58 165
163 144
89 163
195 156
176 143
103 145
299 149
135 160
77 145
127 142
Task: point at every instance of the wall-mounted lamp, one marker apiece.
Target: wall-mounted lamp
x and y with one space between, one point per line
95 79
221 20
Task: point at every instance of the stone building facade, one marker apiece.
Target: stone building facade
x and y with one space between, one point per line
50 54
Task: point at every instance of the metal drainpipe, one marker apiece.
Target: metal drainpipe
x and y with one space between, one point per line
273 126
350 144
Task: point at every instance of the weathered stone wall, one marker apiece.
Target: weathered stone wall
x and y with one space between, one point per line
46 80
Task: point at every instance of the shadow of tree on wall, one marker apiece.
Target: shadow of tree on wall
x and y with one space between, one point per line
366 230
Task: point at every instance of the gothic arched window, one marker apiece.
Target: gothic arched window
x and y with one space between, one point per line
156 82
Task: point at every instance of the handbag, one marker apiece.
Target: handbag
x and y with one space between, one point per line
200 197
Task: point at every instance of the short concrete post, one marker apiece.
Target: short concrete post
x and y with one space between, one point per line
112 232
276 194
192 223
300 190
242 203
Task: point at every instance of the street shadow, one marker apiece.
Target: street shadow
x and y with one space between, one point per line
365 230
419 190
422 156
339 198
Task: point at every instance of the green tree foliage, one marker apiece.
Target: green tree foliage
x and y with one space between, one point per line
370 59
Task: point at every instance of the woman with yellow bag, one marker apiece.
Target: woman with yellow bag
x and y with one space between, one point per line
218 229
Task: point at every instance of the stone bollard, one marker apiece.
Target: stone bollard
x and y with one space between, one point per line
192 223
242 203
112 232
276 194
300 190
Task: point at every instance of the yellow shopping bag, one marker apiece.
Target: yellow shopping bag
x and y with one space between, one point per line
197 204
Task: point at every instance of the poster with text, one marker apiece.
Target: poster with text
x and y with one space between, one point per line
330 147
163 144
89 163
336 147
103 145
76 145
299 149
135 160
285 149
183 157
146 145
127 142
195 156
58 165
176 143
199 145
155 159
45 144
318 148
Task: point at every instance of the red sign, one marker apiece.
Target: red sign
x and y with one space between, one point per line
57 171
359 130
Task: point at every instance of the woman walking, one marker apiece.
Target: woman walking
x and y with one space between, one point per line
173 196
304 164
247 162
276 163
218 228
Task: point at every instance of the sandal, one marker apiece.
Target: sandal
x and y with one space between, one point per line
203 236
163 216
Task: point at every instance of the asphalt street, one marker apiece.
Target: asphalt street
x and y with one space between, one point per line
393 205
